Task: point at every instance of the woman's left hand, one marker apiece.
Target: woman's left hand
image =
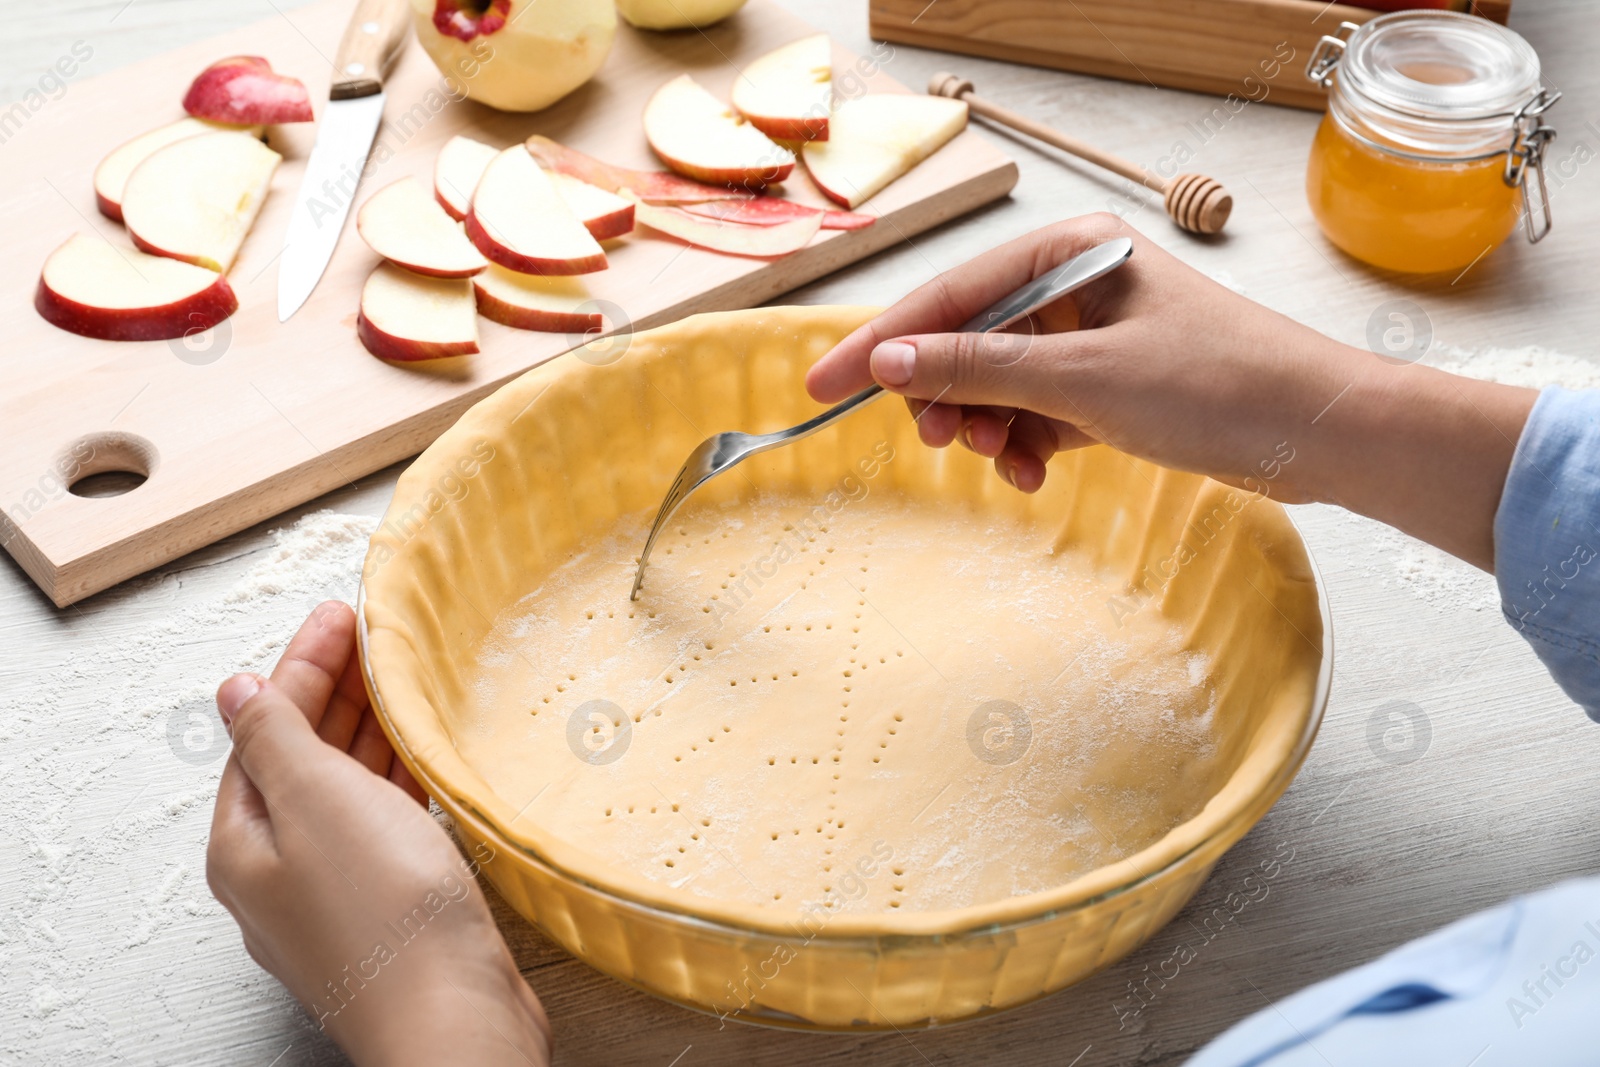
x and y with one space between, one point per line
343 886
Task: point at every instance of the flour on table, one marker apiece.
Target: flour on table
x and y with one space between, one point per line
1433 575
1532 366
111 757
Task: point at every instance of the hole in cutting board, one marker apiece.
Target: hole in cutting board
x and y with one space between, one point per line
107 464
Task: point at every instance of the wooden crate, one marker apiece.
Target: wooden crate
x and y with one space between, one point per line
1257 49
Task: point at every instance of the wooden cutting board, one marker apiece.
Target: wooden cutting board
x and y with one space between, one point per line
257 416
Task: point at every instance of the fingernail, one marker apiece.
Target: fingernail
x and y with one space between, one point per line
1009 473
893 362
233 695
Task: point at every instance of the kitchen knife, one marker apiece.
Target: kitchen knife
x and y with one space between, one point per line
350 122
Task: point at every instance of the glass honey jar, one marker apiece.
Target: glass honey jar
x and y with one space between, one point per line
1433 131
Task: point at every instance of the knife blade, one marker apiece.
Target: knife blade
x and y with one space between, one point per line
345 136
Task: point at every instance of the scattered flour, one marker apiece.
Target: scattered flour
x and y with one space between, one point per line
1532 366
1435 576
111 757
315 552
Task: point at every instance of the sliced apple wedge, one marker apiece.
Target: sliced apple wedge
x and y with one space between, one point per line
874 139
111 176
528 302
404 225
518 220
196 198
406 316
771 210
787 94
603 214
696 134
732 237
456 171
246 90
651 186
92 288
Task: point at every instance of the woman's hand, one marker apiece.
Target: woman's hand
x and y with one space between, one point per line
1160 362
343 887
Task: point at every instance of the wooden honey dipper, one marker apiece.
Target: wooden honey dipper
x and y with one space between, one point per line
1196 203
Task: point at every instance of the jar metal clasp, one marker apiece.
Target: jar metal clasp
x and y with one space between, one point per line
1530 135
1326 56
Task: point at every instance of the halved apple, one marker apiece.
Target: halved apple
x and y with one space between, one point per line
874 139
528 302
456 172
111 176
518 220
92 288
602 213
515 55
787 94
696 134
651 186
406 316
196 198
771 210
404 225
246 90
731 237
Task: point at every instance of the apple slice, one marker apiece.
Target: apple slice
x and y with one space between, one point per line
787 94
874 139
651 186
731 237
111 176
771 210
406 316
603 214
402 224
196 198
246 90
456 171
518 220
528 302
696 134
91 288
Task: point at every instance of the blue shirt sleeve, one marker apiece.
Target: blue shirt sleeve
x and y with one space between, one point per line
1547 540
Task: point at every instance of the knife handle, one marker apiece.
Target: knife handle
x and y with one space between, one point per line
376 31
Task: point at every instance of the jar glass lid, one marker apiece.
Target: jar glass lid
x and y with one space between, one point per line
1441 63
1437 80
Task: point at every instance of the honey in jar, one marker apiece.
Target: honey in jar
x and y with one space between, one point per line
1421 162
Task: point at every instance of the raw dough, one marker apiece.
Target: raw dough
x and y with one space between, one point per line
822 704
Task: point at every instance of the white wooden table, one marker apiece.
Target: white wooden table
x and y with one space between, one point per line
112 950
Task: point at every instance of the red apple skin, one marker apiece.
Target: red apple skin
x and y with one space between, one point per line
497 253
841 199
614 224
108 207
770 211
448 210
754 180
806 129
764 242
156 250
401 350
450 20
651 186
538 319
201 311
246 90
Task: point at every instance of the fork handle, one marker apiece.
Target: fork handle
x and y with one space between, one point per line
1047 288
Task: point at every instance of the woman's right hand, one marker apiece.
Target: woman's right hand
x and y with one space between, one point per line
1160 362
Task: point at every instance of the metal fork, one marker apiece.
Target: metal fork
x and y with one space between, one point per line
721 451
